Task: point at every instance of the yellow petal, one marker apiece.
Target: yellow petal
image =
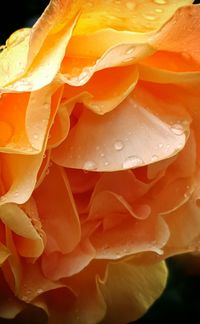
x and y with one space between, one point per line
19 223
4 253
10 306
36 52
126 15
13 58
20 176
130 289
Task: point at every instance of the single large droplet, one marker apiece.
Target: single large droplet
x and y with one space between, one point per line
177 129
154 158
160 1
6 132
89 166
149 17
118 145
132 162
130 51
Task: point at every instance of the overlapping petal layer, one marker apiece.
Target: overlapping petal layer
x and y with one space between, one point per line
99 162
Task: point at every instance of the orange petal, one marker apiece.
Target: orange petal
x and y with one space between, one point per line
34 283
184 228
56 265
62 231
19 185
179 35
105 90
130 237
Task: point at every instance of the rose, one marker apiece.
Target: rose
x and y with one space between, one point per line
110 229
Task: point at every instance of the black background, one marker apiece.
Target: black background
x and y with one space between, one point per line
181 300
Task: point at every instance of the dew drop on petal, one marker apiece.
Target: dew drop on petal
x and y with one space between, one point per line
132 161
154 158
177 129
158 10
160 1
130 51
150 17
118 145
89 166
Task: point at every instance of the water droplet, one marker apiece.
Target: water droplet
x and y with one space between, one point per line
106 163
160 1
40 291
154 158
160 145
89 165
177 129
102 154
132 161
130 51
118 145
150 17
16 194
35 136
159 10
83 76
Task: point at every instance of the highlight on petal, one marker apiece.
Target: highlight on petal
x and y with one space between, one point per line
129 289
133 15
116 140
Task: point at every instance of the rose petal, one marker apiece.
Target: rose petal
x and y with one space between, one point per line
4 253
13 58
56 265
28 242
18 184
130 237
130 289
10 306
54 198
105 90
179 35
121 136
